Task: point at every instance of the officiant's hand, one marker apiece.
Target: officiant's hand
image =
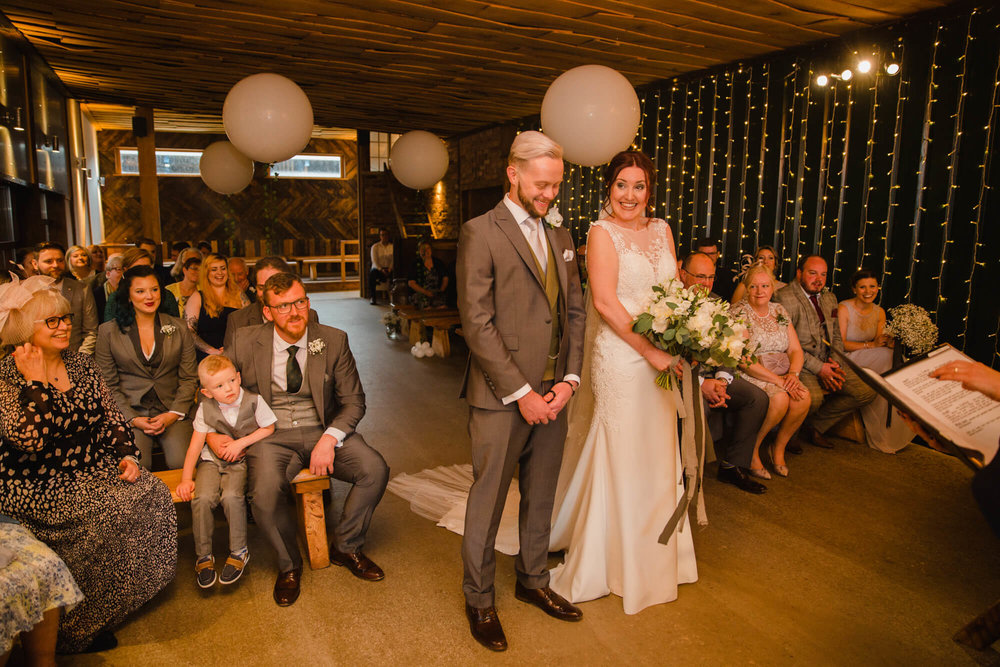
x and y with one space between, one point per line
321 460
973 375
714 392
534 409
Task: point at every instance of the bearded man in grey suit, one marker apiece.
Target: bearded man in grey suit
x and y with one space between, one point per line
306 373
834 391
50 260
254 313
523 319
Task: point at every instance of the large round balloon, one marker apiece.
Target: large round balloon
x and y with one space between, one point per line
592 111
225 169
418 159
267 117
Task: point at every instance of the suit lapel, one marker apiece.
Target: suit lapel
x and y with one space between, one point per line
315 370
505 221
263 360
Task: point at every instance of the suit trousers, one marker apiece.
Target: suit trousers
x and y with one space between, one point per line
501 441
827 409
215 483
173 441
741 420
276 460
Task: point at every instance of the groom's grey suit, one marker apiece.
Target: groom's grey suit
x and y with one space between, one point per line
507 324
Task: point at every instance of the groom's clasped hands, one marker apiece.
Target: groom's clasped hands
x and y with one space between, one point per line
538 409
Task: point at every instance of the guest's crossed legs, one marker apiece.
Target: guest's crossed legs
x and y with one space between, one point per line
501 440
827 409
275 461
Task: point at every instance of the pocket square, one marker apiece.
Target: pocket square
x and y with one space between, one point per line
568 255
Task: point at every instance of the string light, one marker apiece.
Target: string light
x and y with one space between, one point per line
893 183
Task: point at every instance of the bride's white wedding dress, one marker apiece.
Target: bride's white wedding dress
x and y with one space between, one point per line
621 476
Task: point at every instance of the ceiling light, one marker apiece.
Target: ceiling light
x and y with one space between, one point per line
865 66
822 80
846 75
892 68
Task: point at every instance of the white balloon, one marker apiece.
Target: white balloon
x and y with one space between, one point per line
592 111
268 117
224 169
418 159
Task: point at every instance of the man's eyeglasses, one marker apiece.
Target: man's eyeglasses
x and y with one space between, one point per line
53 322
283 308
701 276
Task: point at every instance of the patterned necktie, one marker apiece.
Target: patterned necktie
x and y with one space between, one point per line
293 374
819 311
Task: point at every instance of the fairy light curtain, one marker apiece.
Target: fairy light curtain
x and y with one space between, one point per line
894 173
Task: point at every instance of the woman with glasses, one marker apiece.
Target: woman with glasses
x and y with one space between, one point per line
189 268
207 310
148 361
70 473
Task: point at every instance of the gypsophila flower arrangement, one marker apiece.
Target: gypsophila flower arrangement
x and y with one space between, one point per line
317 346
690 324
168 329
391 318
553 218
911 325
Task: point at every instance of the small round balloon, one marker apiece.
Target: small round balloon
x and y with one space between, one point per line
225 169
267 117
592 111
418 159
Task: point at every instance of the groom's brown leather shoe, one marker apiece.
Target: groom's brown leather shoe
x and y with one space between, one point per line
818 439
286 587
548 601
485 626
360 565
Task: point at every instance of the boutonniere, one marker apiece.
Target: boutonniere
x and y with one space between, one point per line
317 346
568 255
553 218
168 329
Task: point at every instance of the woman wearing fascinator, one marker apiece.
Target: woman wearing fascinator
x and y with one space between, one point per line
68 469
765 255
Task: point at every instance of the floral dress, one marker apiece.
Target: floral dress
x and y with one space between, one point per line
770 332
59 477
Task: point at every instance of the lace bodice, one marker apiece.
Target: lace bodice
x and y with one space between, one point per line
861 328
644 260
771 335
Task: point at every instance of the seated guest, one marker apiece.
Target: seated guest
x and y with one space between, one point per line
136 257
176 248
833 391
25 264
725 280
153 248
97 257
306 373
768 257
105 289
254 313
861 324
241 276
79 263
777 370
429 279
176 271
71 475
382 259
728 396
148 362
245 417
35 587
188 267
204 247
50 260
208 309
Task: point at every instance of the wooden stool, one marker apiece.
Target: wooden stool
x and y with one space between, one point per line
441 343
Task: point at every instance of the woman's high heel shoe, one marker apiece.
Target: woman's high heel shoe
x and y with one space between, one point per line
760 473
780 470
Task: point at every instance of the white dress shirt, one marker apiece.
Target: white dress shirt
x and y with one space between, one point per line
279 364
382 256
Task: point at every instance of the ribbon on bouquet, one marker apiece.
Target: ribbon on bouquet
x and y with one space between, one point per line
694 435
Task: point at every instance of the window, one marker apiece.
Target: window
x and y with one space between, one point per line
308 166
379 145
168 162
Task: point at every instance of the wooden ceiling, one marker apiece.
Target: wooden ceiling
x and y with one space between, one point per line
447 66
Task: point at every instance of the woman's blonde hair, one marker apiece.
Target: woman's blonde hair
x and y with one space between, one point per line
133 255
755 269
20 326
209 301
69 253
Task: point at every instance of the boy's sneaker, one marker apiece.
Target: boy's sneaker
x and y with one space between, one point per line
234 567
205 569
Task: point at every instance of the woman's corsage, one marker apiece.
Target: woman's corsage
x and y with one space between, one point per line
553 218
168 329
781 319
317 346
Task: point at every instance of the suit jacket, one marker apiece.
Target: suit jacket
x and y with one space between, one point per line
249 316
331 372
172 371
505 312
807 325
83 337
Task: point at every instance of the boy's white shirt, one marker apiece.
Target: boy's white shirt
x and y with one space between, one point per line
231 412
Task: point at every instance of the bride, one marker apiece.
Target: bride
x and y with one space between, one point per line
620 479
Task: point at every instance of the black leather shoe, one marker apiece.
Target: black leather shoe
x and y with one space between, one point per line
485 626
104 640
793 448
735 476
286 587
818 439
360 565
548 601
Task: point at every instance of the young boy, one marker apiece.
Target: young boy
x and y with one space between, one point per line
246 418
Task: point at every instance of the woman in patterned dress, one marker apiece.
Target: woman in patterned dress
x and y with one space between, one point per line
68 469
777 371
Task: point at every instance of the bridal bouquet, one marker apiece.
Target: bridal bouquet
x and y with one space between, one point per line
690 324
912 326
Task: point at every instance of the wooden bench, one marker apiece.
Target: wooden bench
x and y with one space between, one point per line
413 319
309 508
349 254
441 342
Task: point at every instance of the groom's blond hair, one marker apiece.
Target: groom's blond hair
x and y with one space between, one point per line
530 145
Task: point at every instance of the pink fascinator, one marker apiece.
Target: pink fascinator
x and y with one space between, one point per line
16 293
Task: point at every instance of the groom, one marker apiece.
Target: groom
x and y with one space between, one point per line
522 316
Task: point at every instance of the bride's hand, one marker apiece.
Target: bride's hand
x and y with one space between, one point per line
662 361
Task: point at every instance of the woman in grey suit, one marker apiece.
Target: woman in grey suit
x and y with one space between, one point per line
148 362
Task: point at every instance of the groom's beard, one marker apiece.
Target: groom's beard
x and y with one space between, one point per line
530 205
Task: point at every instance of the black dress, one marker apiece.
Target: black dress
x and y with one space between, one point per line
59 459
212 330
